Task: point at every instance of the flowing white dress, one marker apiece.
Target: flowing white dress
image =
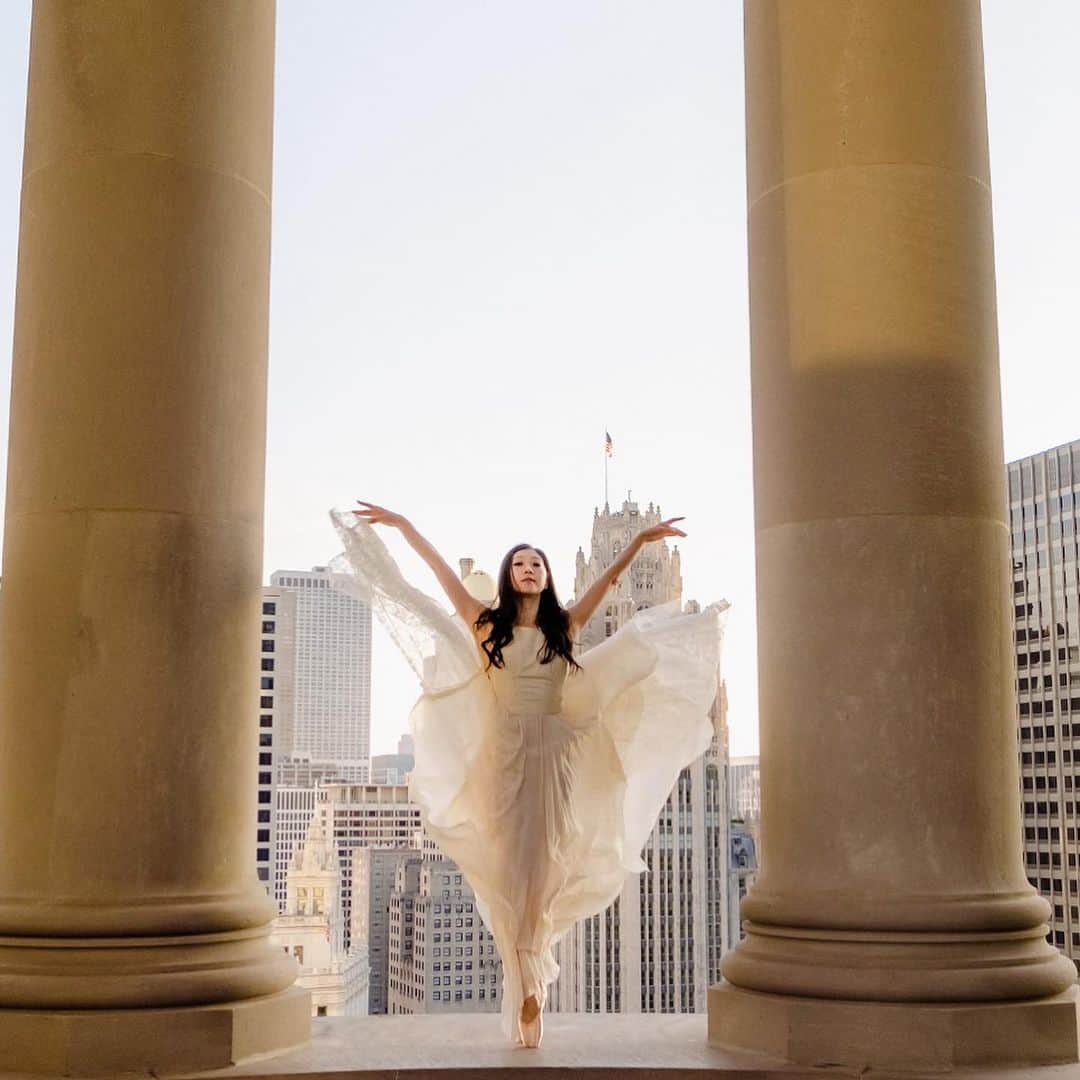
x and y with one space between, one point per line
540 783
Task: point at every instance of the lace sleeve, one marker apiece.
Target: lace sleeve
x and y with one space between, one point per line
437 645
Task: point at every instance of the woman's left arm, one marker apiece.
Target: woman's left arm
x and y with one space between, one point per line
582 611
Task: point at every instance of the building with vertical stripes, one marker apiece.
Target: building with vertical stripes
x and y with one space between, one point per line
1043 491
657 947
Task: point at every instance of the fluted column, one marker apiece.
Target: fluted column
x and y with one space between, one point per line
891 866
133 543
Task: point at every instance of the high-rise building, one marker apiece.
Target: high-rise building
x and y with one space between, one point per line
294 807
276 633
374 872
314 708
744 806
394 768
441 958
298 782
331 674
1043 492
365 815
742 869
311 930
744 788
658 946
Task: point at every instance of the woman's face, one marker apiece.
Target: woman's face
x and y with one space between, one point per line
528 573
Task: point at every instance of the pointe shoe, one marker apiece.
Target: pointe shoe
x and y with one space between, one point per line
532 1030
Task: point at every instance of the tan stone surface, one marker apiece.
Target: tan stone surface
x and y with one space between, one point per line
133 539
912 1037
613 1047
145 1041
466 1046
890 857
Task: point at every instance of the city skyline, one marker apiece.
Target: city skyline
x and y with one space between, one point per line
465 197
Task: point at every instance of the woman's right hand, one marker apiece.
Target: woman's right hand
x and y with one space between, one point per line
379 515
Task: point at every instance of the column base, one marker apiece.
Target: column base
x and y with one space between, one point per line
903 1036
187 1038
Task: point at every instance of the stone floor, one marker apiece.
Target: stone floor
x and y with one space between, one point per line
472 1048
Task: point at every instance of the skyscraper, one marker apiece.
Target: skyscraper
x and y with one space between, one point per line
277 619
744 806
357 816
658 946
441 957
314 708
331 674
744 788
374 873
1043 490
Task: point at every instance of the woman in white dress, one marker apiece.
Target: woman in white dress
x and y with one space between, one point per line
540 773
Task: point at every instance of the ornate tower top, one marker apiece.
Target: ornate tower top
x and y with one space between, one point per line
654 577
317 855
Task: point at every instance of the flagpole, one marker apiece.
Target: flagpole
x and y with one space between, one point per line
607 454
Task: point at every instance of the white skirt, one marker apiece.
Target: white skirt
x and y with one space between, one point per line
545 815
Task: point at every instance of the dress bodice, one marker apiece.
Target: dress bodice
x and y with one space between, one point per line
523 685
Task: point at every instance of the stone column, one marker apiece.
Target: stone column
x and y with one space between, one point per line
891 924
133 547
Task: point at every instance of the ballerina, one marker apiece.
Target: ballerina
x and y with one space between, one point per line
540 774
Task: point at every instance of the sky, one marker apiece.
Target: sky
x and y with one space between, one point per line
502 228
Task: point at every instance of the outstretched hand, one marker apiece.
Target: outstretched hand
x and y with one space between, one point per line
661 531
379 515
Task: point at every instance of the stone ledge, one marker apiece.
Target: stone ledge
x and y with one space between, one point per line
150 1042
912 1037
471 1047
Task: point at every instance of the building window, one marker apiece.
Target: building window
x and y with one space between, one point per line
269 607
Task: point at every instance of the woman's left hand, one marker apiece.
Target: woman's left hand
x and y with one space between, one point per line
661 531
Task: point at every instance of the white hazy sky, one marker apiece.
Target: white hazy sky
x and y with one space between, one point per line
502 227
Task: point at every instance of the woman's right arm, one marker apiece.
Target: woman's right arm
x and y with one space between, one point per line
465 605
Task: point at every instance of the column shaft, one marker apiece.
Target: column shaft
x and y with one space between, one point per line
133 529
890 859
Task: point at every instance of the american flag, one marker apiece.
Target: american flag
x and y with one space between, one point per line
609 449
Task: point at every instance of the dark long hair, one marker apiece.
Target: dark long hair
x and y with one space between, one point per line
551 617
